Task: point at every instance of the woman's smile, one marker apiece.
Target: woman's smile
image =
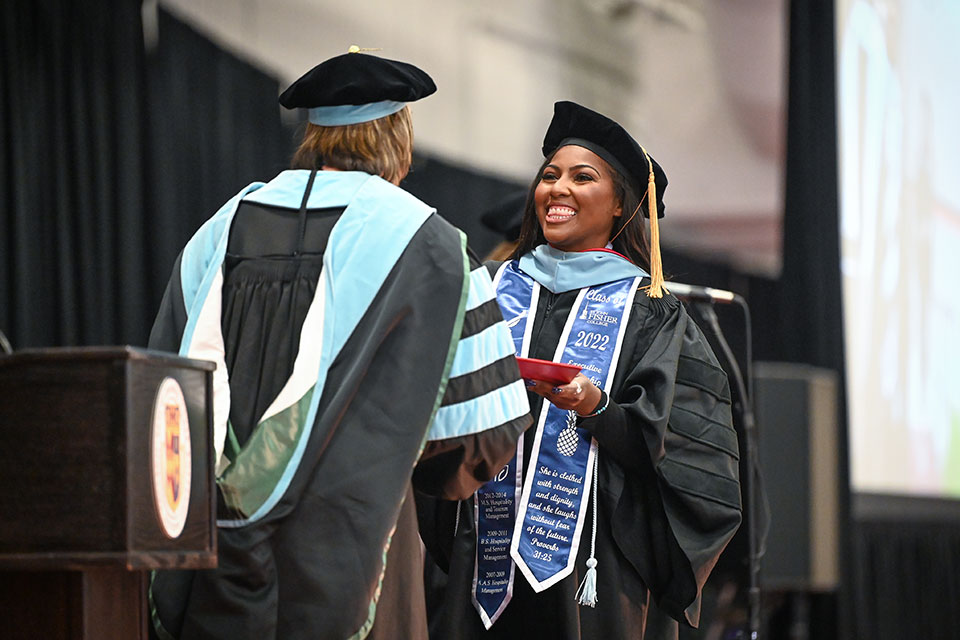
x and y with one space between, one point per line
558 213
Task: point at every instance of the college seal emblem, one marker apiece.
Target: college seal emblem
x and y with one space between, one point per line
170 457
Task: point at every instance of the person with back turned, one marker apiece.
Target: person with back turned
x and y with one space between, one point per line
360 353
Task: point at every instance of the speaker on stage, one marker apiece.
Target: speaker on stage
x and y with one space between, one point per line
798 423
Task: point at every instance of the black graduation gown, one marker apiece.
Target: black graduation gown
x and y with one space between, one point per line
669 498
267 584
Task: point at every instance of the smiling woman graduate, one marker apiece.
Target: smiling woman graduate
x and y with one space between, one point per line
626 488
355 338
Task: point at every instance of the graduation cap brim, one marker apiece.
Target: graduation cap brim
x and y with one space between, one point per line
356 87
578 125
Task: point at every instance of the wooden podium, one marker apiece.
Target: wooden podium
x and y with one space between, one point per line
106 472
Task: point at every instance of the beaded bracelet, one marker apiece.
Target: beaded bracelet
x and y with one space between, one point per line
606 403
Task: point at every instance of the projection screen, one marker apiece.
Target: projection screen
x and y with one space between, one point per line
899 161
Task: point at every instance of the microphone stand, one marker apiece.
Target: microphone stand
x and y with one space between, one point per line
754 483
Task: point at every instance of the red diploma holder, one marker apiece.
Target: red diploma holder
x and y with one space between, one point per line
547 371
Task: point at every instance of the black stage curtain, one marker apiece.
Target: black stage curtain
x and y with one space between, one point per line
71 172
110 158
214 128
906 580
810 296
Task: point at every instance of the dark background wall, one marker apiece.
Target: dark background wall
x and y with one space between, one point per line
111 156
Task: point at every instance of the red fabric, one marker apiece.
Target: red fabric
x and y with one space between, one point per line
616 253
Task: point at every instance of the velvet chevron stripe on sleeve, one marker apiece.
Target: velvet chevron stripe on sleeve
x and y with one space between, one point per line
477 397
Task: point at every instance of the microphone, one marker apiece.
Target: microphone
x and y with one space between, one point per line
696 292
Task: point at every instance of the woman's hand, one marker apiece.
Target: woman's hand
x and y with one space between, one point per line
579 394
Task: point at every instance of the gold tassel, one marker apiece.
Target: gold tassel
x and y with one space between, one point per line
656 266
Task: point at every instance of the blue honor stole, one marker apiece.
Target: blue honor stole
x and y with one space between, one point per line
495 503
543 520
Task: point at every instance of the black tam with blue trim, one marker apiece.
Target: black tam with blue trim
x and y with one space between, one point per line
357 87
578 125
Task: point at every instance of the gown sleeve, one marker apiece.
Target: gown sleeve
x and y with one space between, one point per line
669 426
484 408
171 319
